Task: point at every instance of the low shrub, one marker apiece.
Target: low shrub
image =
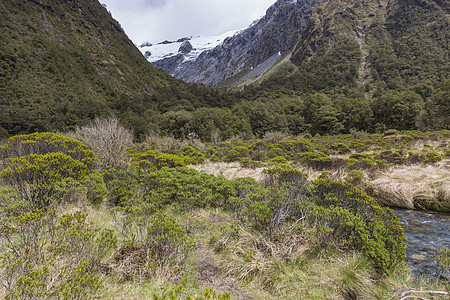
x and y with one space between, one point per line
151 161
122 184
316 160
363 161
187 189
46 257
347 217
34 176
44 143
192 156
153 240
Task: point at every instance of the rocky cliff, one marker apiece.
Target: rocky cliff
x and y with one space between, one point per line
335 45
278 31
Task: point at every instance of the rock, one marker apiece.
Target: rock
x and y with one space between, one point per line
169 64
146 44
278 31
418 257
147 54
184 39
185 47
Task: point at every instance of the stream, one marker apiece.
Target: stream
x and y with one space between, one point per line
426 232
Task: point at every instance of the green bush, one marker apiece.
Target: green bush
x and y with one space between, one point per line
355 177
393 157
153 239
193 156
279 160
340 148
284 199
122 184
44 143
34 176
236 153
347 217
187 189
151 161
96 188
316 160
46 257
364 161
432 157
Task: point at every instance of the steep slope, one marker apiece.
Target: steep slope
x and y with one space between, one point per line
364 45
278 31
63 62
373 45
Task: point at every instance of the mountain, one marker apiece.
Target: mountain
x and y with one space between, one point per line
65 62
278 31
169 49
367 45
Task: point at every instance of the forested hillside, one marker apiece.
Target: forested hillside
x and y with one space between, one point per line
62 63
365 65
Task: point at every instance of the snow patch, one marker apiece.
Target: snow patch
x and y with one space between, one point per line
199 44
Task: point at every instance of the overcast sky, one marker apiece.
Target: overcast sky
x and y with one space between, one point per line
157 20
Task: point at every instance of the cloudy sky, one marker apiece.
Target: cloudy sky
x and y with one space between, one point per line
157 20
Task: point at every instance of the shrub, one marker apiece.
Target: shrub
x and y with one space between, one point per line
283 200
316 160
122 184
109 141
432 157
279 160
44 143
35 176
355 177
151 161
281 175
236 153
46 257
443 261
391 157
193 156
153 240
364 161
347 217
96 188
340 148
187 189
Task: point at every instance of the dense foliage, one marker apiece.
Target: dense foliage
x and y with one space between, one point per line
62 64
54 255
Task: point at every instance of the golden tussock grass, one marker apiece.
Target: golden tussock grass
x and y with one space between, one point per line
230 171
413 186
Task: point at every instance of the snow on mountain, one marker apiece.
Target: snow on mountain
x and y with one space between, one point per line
168 49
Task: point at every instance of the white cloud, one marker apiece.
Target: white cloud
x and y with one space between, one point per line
157 20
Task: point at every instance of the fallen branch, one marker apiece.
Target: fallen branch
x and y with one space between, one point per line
414 297
407 294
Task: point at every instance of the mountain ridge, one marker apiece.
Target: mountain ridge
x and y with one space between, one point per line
63 63
374 37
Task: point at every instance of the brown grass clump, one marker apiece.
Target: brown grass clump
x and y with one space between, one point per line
413 187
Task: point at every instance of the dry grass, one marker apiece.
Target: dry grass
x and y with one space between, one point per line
234 170
229 170
413 186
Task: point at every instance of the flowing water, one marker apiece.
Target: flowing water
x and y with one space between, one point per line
426 232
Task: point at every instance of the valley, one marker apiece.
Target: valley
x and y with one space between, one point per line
306 156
